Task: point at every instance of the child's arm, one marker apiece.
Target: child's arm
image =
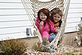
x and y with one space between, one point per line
52 28
41 25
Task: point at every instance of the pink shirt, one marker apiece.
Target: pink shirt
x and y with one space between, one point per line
49 27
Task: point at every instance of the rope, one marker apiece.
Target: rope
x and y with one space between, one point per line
50 6
33 21
61 31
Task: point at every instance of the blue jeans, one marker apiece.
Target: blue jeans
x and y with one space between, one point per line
52 37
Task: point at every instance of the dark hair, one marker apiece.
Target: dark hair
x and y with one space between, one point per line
56 11
45 11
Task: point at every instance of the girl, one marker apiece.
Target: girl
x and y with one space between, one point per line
44 24
56 16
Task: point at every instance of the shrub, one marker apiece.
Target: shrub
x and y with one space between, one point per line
80 54
37 46
13 47
79 35
69 54
41 46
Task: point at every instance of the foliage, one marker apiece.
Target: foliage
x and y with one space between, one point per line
79 33
37 46
69 54
13 47
80 54
41 46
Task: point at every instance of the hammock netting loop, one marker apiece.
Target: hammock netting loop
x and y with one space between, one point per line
36 6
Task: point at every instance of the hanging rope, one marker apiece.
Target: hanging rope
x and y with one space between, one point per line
61 30
37 5
24 2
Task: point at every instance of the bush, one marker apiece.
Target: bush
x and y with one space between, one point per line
69 54
37 46
13 47
79 35
41 46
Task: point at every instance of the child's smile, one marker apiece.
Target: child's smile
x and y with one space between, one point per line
56 17
43 17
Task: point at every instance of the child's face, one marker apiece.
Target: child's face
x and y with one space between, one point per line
56 17
43 17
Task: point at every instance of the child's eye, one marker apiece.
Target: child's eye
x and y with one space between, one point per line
54 16
58 17
41 15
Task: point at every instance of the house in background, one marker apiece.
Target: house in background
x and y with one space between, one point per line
74 16
15 22
13 19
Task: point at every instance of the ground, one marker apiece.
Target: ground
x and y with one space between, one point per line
69 44
68 40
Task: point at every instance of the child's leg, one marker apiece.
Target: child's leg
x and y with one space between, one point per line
52 37
53 47
45 35
45 38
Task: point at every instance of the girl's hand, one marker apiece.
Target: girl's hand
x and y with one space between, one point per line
57 29
41 23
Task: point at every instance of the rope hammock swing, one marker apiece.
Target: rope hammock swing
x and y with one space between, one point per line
36 6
